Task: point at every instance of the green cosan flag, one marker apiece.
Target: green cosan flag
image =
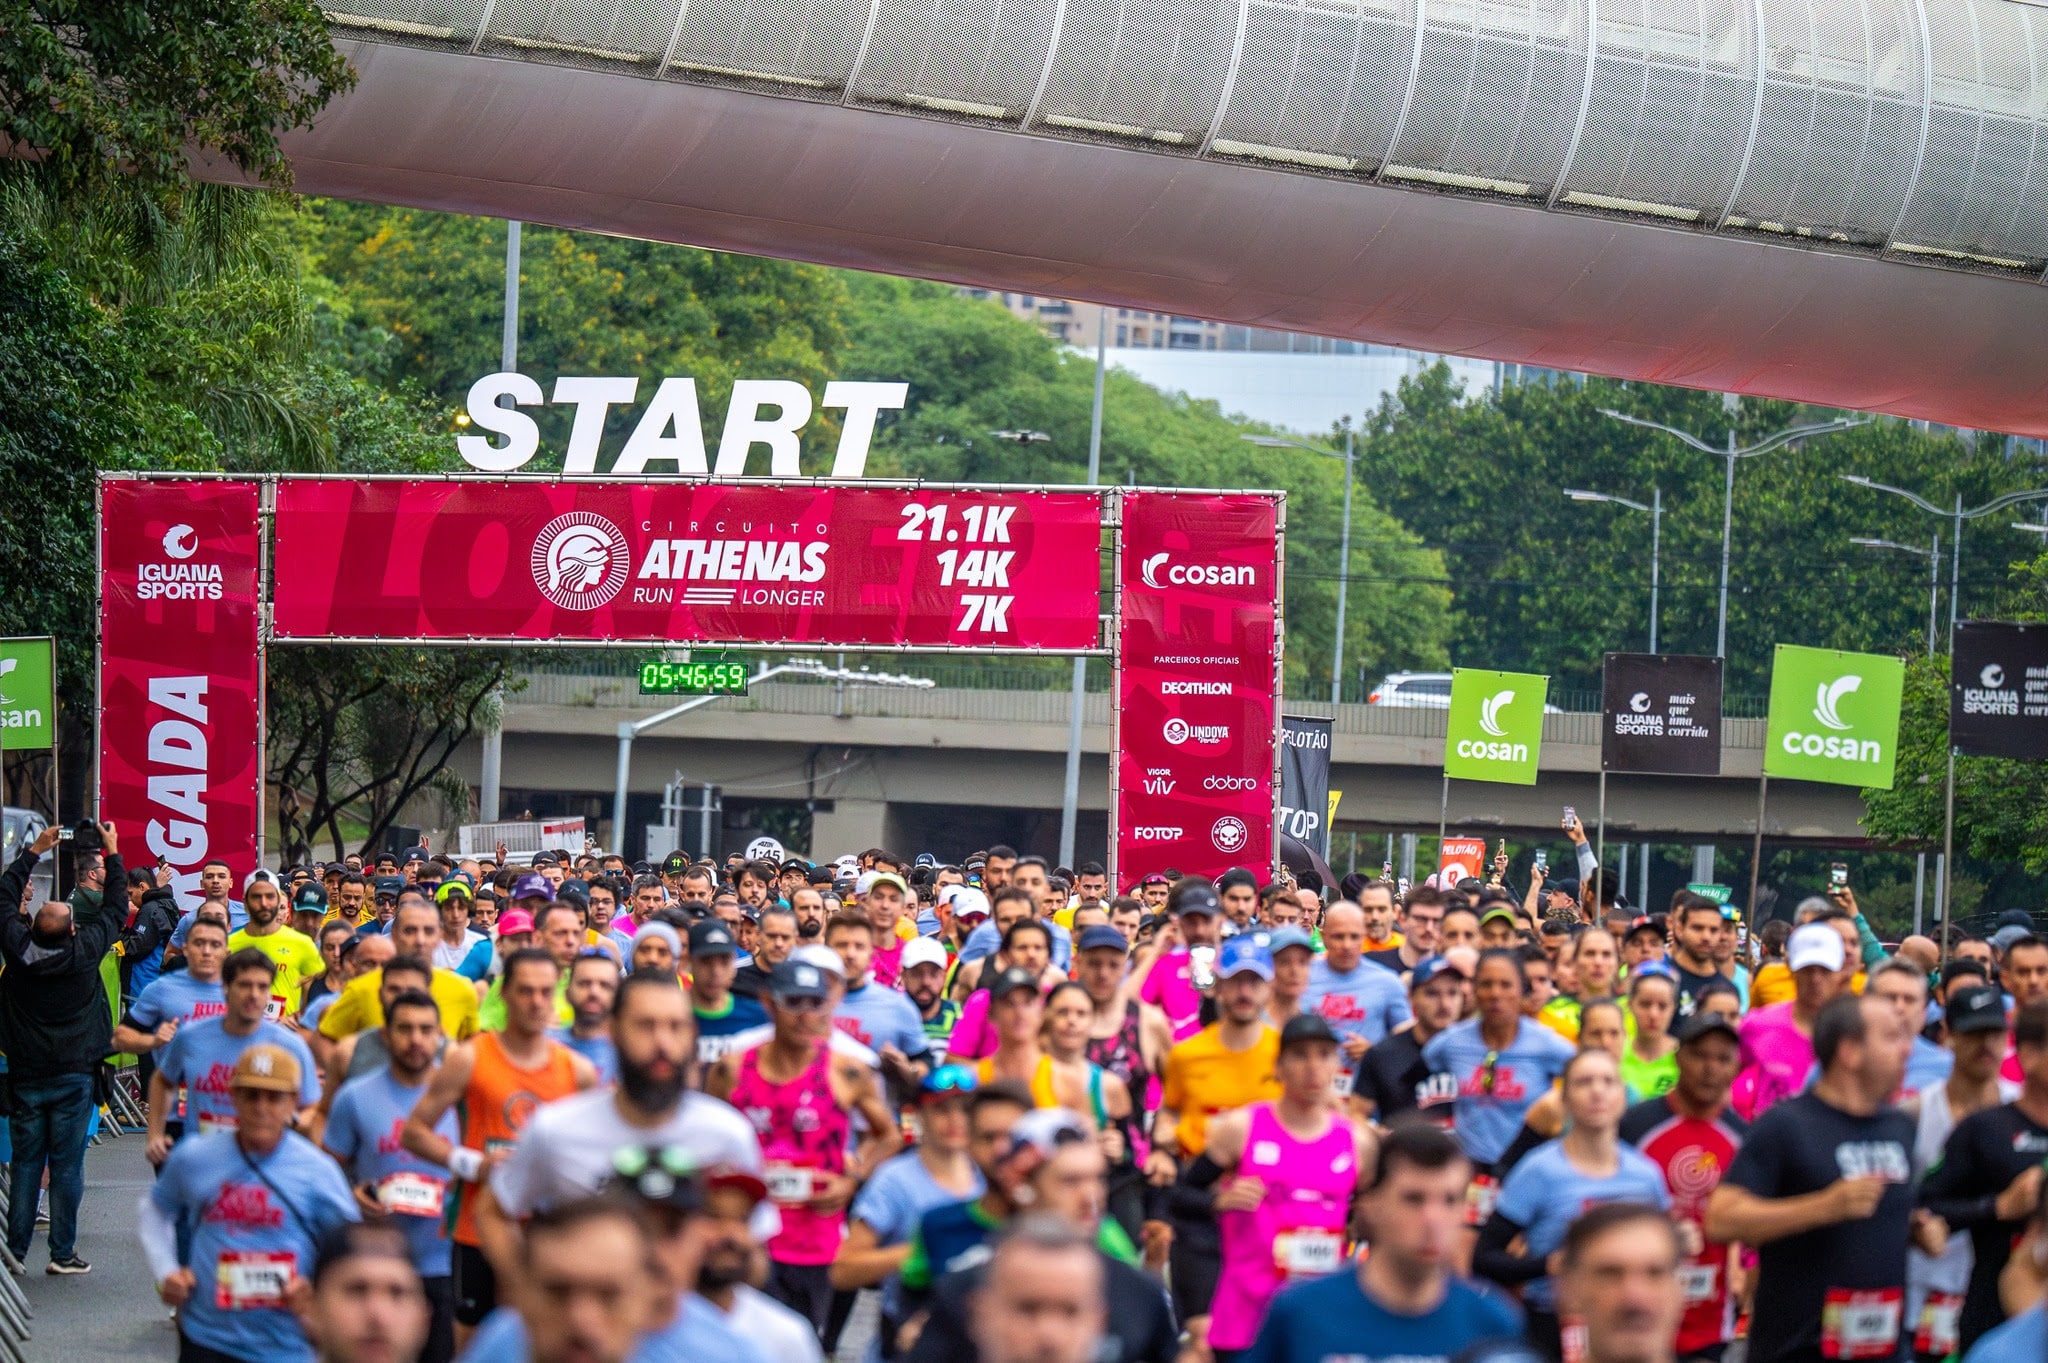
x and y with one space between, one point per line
1834 716
28 700
1496 729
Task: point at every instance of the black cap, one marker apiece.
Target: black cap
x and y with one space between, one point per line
820 875
710 937
573 892
413 854
1101 935
1698 1025
1198 899
1303 1028
309 897
1975 1008
795 979
1010 981
675 863
388 885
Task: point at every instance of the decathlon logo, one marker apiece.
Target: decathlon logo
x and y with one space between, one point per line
580 561
1489 713
1229 833
180 542
1161 571
1828 696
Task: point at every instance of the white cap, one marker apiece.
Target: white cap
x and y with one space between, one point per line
864 882
823 957
848 863
967 902
1815 944
923 951
256 876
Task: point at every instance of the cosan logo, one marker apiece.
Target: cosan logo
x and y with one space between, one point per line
1145 832
1489 712
1160 570
11 717
1827 712
1490 720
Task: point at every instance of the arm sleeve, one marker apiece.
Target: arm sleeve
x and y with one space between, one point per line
1525 1140
13 885
1873 949
159 1238
1194 1194
916 1273
1493 1260
103 925
1588 863
1953 1188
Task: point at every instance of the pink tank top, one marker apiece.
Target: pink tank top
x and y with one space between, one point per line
803 1133
1297 1232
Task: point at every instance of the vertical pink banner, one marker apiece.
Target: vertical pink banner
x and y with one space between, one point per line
1196 692
181 762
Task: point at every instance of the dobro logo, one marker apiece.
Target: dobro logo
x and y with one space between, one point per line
580 561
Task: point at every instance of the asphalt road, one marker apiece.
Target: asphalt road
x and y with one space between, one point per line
110 1315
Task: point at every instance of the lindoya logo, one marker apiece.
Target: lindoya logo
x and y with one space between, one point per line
580 561
1834 716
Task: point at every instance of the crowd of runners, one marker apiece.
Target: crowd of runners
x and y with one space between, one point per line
581 1111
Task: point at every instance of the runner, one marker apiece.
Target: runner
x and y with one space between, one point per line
364 1134
1554 1184
1691 1134
1394 1078
414 932
1649 1060
1502 1063
1401 1302
1620 1277
256 1197
1180 977
924 983
1083 1085
1294 1166
771 1331
593 986
870 1012
294 954
1360 999
1026 949
1422 916
1777 1042
657 949
366 1303
499 1078
1903 984
202 1054
355 1056
461 948
775 937
800 1098
1822 1188
722 1015
1696 925
179 997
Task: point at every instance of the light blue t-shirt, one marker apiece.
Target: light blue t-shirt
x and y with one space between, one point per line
363 1131
1927 1066
176 997
238 918
1332 1318
2023 1339
599 1050
471 960
1365 1001
202 1057
1545 1192
876 1016
699 1334
987 939
892 1202
250 1217
1493 1101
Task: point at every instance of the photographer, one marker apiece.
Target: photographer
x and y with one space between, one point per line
55 1026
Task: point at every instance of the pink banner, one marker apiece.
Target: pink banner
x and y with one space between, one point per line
1195 700
686 562
181 689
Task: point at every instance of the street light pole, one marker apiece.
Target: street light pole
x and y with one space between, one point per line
1656 510
1281 442
1070 787
1956 515
1732 452
490 777
1933 556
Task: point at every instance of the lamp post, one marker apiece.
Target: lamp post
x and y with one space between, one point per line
1344 547
1732 452
1656 510
1933 556
804 667
1956 516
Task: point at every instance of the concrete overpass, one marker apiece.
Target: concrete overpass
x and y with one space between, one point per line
952 769
1838 201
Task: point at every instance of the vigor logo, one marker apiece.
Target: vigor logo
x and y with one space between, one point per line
1496 726
1834 716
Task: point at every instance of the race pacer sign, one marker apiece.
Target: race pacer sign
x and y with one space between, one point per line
181 690
1196 706
683 562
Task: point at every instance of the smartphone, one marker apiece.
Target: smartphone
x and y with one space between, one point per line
1838 874
1386 870
64 835
1571 817
1542 859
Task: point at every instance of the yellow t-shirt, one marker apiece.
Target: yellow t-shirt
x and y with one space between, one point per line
357 1008
1772 984
297 960
1205 1077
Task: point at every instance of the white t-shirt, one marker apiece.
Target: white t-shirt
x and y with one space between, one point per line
779 1334
566 1150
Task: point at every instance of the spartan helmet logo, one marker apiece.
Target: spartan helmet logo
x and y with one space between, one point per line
579 561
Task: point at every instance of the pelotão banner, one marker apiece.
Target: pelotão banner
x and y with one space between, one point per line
181 689
1306 808
1196 704
679 562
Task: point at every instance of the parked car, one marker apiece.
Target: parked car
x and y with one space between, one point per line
19 828
1421 691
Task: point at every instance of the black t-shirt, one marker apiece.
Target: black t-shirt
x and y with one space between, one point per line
1986 1151
1800 1146
1393 1077
1691 986
750 981
1391 959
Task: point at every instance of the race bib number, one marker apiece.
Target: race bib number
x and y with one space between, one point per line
216 1121
1701 1282
1938 1329
1480 1195
274 1010
1861 1324
787 1183
1308 1253
252 1280
411 1194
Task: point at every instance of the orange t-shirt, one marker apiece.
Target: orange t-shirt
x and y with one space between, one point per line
501 1100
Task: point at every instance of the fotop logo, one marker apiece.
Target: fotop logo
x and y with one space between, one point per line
1158 833
1489 712
1229 782
1228 834
1178 731
1829 695
580 561
1161 571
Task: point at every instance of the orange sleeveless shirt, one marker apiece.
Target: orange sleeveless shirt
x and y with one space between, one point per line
500 1101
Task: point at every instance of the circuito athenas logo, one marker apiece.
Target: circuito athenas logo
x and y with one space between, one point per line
580 561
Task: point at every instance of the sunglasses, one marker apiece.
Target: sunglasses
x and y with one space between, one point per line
951 1079
802 1005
